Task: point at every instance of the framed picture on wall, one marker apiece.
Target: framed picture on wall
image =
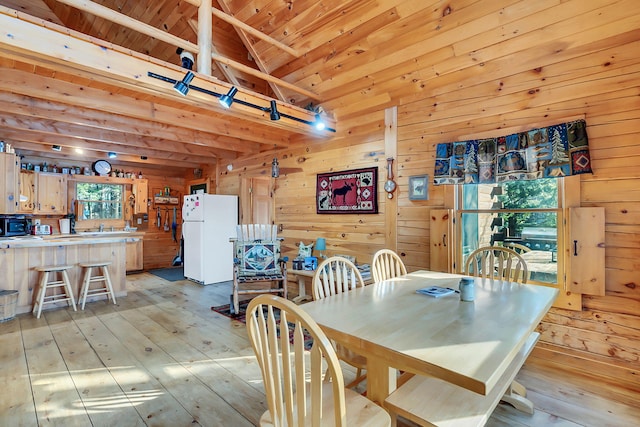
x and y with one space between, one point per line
419 187
200 188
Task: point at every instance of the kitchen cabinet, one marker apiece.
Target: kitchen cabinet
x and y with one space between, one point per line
141 194
9 167
134 255
43 193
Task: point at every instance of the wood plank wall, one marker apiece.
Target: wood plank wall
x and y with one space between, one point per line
595 75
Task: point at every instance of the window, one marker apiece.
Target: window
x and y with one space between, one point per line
521 215
99 201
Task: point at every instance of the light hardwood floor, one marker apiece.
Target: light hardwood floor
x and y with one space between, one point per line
161 357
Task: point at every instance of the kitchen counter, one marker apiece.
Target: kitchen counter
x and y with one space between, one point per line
20 255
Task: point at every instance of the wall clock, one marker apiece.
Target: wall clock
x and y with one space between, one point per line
102 167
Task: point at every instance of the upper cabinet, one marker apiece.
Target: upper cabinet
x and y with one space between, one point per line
140 191
43 193
8 183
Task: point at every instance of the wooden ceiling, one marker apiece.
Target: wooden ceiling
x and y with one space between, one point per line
350 57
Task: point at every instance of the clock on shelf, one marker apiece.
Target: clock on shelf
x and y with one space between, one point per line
102 167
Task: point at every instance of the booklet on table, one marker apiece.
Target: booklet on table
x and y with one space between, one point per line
436 291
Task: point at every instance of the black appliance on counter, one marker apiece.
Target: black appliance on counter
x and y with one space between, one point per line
14 226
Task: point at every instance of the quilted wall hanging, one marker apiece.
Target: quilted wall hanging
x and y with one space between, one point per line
351 191
554 151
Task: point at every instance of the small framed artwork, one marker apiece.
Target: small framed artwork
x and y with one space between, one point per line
419 187
198 188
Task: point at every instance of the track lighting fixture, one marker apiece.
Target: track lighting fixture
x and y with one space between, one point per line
274 111
56 148
112 155
319 123
227 100
182 87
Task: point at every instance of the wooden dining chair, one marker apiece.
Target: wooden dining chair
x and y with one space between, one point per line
504 264
296 392
496 262
386 265
333 276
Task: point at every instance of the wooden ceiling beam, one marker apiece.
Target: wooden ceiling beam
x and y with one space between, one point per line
38 142
256 56
256 33
117 141
121 19
57 90
225 71
81 54
101 120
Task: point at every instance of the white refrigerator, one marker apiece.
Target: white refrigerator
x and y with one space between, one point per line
209 221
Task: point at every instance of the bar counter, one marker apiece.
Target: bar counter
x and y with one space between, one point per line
19 256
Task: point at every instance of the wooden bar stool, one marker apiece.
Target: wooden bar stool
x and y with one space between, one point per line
87 279
45 284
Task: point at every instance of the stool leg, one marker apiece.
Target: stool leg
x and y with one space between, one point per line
107 279
86 279
44 278
67 286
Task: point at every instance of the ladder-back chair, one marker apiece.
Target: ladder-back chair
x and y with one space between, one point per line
296 393
257 261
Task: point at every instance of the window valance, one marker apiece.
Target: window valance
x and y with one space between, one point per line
554 151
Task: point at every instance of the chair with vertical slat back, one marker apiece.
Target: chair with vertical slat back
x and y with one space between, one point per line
296 393
495 262
257 261
333 276
386 265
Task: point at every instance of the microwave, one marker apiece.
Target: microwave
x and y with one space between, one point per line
14 226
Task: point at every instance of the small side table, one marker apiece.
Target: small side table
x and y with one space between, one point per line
301 276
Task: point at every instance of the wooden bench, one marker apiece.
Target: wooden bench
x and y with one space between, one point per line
430 401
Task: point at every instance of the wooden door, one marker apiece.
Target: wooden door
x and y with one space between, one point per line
586 251
28 190
257 201
52 193
442 250
141 193
8 183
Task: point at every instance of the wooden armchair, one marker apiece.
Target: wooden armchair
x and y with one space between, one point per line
257 261
296 393
386 265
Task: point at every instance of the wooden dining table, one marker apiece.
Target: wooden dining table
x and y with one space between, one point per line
469 344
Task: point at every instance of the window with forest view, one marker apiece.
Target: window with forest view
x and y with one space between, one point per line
520 215
99 201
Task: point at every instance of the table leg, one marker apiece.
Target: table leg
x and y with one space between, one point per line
381 380
302 291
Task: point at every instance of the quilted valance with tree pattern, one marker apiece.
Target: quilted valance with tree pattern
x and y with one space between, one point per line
554 151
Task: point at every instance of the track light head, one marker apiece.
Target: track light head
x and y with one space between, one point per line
274 111
319 123
182 87
56 148
227 100
112 155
